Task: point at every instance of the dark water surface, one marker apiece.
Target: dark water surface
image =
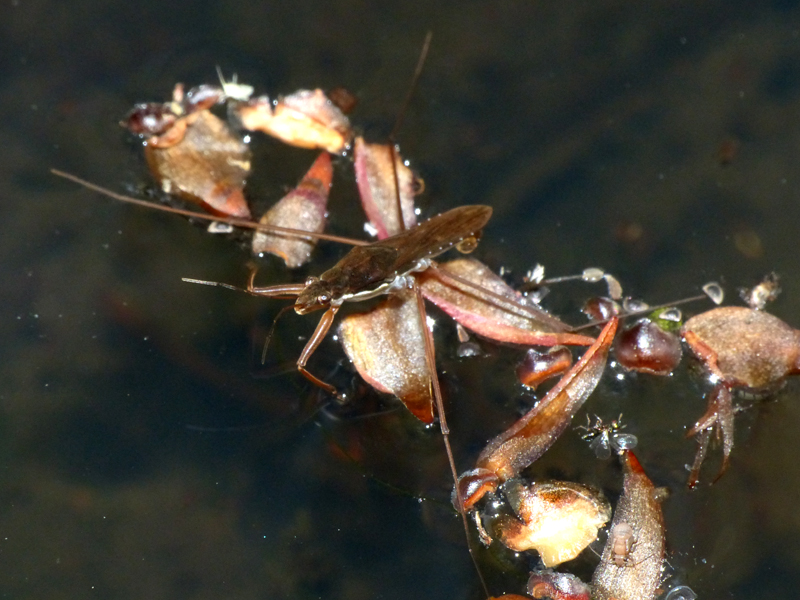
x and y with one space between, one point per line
145 452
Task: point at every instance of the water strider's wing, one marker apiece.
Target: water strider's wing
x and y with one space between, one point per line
435 236
365 268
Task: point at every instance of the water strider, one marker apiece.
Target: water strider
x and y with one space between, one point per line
368 271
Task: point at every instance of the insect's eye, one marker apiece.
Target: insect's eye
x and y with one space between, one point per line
323 298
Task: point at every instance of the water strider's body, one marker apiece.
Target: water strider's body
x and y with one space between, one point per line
368 271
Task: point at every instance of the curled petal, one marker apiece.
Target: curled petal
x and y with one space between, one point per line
472 486
537 366
558 519
305 208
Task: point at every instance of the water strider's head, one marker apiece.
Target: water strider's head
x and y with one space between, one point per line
316 296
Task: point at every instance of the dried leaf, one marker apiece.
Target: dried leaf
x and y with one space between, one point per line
744 346
208 165
387 347
529 438
376 186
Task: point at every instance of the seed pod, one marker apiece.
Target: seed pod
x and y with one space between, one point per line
600 309
538 366
647 348
150 119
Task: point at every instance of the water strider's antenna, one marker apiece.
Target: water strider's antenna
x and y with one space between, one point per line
423 55
303 235
267 340
644 311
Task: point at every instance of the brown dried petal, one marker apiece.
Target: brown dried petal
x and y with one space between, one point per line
512 321
387 348
744 346
376 186
305 208
531 436
637 577
208 166
557 519
306 119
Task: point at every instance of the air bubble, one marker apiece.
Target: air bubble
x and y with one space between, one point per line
624 441
681 592
714 291
634 306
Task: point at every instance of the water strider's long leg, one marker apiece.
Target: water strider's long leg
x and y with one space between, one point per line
430 357
319 333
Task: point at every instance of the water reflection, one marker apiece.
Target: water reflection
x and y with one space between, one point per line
148 453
